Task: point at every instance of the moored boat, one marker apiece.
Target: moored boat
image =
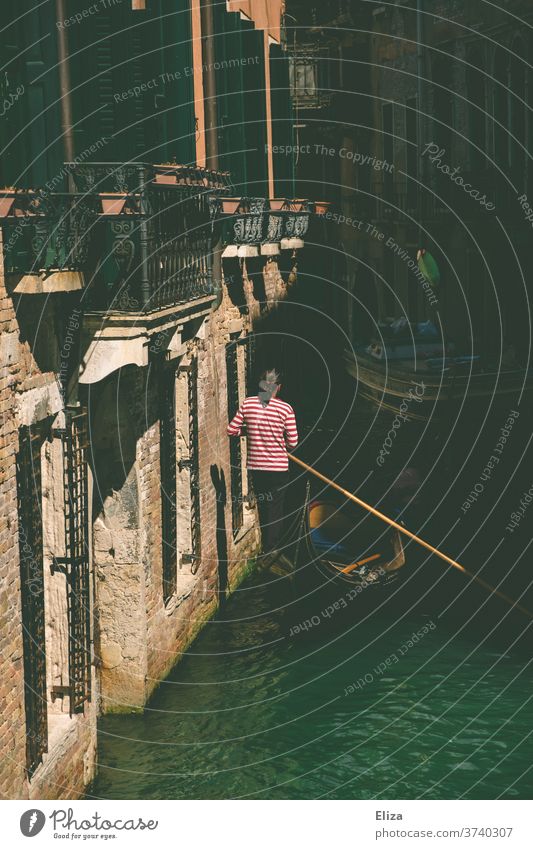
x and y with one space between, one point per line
422 387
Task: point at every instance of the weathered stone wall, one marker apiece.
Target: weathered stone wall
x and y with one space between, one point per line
170 631
12 727
138 639
70 765
118 418
29 395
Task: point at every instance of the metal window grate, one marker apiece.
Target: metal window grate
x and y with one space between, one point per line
168 484
29 495
194 464
76 561
250 343
235 444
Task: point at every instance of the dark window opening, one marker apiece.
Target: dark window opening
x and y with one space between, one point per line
167 454
389 300
250 349
29 495
194 457
232 371
388 150
75 483
411 136
475 92
443 123
500 109
517 113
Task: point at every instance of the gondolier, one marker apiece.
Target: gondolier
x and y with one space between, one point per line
271 429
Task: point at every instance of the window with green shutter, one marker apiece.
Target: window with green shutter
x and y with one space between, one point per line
282 122
240 79
254 92
177 92
30 126
133 81
230 102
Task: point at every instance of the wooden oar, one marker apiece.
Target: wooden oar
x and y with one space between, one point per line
412 536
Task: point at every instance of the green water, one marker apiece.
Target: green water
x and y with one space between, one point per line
254 712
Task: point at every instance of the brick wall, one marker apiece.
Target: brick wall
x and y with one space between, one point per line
138 639
27 396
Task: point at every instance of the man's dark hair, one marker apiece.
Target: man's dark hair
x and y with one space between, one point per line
268 374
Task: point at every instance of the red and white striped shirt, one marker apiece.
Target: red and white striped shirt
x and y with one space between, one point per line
270 431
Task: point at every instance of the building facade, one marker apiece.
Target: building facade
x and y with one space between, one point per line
418 117
146 230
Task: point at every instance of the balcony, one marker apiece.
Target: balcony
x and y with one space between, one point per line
153 238
46 239
136 237
257 226
149 269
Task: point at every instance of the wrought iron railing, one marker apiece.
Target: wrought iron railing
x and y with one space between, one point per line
142 234
258 221
32 595
154 235
44 231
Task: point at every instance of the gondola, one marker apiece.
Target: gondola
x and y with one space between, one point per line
347 545
335 543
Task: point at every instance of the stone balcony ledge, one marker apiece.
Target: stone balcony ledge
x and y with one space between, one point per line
112 340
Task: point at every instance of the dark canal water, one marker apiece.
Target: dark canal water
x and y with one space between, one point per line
254 712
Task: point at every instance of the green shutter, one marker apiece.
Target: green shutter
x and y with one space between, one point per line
178 83
96 79
230 103
30 134
254 92
241 102
282 122
107 62
132 86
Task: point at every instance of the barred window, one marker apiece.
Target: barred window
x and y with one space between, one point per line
232 371
29 494
76 565
167 455
194 456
